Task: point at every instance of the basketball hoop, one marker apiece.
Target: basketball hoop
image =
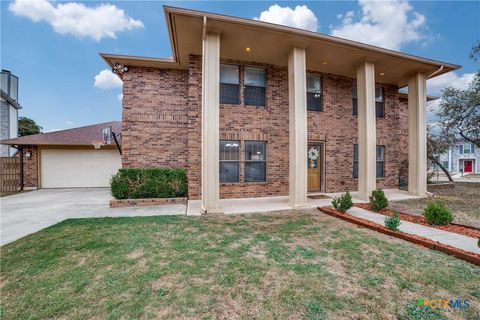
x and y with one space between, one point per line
97 144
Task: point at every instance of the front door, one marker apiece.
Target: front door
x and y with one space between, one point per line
314 168
467 166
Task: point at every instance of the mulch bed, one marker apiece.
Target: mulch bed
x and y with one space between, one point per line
452 227
434 245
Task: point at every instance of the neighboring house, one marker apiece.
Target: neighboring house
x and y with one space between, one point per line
254 109
8 111
67 158
463 157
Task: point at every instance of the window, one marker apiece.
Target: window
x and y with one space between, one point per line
229 161
445 164
380 158
379 105
380 161
379 101
255 83
355 161
229 84
314 93
255 161
467 148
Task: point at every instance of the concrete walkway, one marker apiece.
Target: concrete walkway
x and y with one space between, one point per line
25 213
267 204
445 237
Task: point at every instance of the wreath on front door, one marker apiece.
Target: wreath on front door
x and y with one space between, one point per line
313 154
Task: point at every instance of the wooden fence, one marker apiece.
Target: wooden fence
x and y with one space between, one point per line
10 174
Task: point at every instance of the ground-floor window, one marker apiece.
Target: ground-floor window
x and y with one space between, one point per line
255 161
380 161
229 161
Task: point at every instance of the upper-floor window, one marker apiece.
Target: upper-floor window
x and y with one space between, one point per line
380 161
255 83
467 148
314 93
229 161
229 84
9 84
379 101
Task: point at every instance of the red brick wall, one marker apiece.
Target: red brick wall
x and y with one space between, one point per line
154 118
30 167
162 127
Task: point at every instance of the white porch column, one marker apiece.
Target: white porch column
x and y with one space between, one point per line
297 97
367 137
417 135
210 122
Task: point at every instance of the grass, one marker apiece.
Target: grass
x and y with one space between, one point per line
463 200
291 265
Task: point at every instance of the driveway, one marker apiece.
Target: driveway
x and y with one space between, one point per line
29 212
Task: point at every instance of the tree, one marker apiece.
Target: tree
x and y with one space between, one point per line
27 126
437 144
460 109
475 53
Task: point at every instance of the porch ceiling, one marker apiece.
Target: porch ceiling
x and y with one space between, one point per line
270 43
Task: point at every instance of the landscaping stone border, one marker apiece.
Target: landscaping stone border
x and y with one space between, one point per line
120 203
434 245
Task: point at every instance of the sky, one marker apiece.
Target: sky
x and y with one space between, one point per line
53 46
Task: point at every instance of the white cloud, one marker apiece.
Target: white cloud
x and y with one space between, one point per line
106 79
301 17
388 24
435 85
68 122
102 21
120 97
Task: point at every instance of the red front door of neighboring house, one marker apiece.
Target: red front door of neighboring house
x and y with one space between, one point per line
467 166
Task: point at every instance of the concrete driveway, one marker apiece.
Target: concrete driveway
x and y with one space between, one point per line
29 212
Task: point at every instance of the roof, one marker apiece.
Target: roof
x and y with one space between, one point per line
5 96
270 44
404 96
82 136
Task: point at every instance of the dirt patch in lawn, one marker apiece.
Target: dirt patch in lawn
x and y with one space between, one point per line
457 228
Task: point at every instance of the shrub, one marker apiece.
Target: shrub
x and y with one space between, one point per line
436 213
136 183
343 203
378 201
393 222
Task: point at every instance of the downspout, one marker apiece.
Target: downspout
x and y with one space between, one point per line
435 72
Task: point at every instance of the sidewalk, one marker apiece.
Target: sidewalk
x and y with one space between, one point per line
444 237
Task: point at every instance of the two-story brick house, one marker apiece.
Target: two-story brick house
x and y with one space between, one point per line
253 109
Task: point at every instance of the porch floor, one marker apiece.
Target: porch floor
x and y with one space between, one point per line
266 204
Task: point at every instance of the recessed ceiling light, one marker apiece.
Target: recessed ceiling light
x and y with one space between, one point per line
248 49
324 62
382 73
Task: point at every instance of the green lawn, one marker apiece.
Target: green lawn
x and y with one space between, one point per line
292 265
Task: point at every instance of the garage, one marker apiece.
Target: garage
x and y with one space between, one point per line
72 168
82 157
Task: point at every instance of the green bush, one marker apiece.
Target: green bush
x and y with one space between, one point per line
378 201
393 222
436 213
136 183
343 203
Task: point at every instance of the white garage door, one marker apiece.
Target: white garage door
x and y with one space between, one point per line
70 168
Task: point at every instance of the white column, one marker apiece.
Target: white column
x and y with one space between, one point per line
210 122
367 137
297 97
417 135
